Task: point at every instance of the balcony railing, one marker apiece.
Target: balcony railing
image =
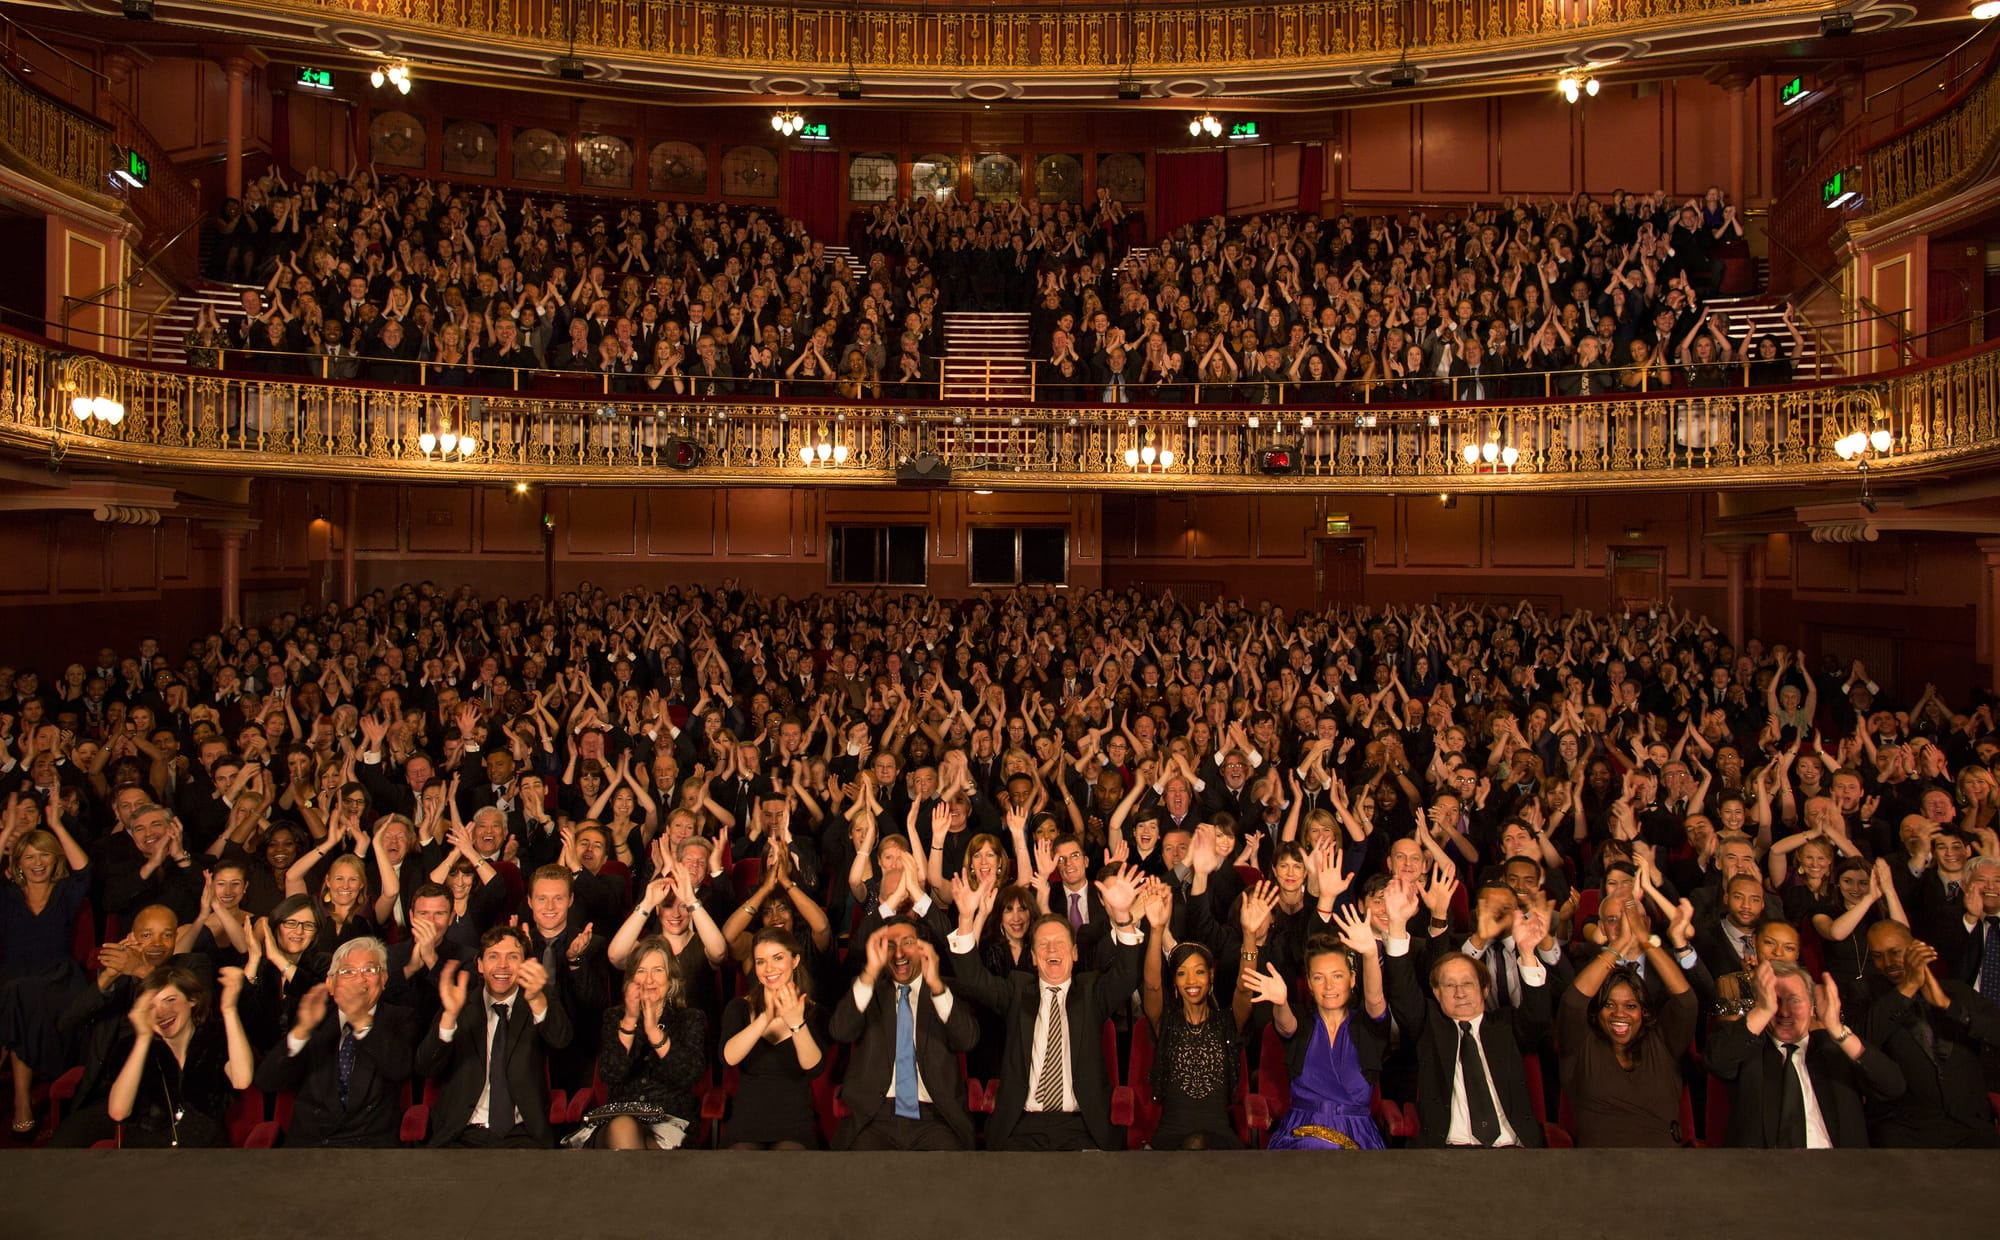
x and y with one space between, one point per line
1023 38
1942 413
61 145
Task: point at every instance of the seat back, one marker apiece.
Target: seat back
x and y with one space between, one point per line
1274 1077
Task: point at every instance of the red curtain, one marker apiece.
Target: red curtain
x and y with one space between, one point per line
1312 165
1190 188
812 194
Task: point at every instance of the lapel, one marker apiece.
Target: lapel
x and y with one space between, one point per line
1774 1087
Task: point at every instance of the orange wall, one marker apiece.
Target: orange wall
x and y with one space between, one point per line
1670 135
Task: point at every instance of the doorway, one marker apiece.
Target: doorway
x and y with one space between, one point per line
1638 579
1340 572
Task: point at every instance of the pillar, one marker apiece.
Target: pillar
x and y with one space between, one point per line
1735 562
1987 613
1734 87
232 537
351 504
238 70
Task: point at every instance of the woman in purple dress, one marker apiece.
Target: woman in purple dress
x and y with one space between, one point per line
1334 1043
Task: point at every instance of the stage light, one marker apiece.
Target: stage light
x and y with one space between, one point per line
1278 459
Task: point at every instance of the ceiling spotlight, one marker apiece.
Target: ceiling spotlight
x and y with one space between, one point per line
1985 10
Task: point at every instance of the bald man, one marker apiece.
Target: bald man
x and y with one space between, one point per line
1935 1031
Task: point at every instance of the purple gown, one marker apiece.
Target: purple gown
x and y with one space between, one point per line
1330 1097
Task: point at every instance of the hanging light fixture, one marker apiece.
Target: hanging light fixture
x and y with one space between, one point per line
1574 88
103 410
787 121
1205 124
392 73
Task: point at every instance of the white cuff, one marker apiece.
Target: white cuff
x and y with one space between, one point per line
1397 947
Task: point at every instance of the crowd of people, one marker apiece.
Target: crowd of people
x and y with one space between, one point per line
405 280
656 868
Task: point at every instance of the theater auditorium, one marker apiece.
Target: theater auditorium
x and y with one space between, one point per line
625 616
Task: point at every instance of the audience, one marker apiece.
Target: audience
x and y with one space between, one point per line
406 280
824 838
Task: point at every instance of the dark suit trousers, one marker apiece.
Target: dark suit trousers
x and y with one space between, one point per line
482 1138
891 1131
1050 1130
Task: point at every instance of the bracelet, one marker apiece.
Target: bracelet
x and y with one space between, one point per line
628 1030
799 1026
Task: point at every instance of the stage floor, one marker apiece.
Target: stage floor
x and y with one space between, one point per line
427 1195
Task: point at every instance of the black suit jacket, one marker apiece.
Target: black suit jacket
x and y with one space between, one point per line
1755 1068
373 1115
462 1064
871 1068
1944 1101
1711 943
1505 1035
1094 994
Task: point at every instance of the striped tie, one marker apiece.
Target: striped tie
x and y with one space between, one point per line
1049 1086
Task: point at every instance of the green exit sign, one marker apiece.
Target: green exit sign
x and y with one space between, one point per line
1791 92
814 131
1242 130
1839 189
315 79
132 169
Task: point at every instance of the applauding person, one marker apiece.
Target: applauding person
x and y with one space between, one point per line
494 1058
174 1088
1621 1060
1335 1056
904 1087
653 1052
771 1036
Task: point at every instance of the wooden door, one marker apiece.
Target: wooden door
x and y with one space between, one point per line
1340 570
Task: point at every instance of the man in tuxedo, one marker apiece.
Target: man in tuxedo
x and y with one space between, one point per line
1074 899
1935 1031
1473 376
1795 1071
347 1073
416 964
904 1090
1471 1088
494 1064
560 937
1055 1089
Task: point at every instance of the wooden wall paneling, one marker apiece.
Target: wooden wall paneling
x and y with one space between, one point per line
133 560
1535 144
1434 536
602 522
1624 145
1822 568
1533 531
79 547
1700 139
682 523
1246 179
1285 526
1885 568
1381 150
509 523
1220 526
1454 140
379 519
28 549
759 523
440 520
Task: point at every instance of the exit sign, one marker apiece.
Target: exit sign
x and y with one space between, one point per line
315 79
1791 92
1242 130
813 131
132 169
1839 189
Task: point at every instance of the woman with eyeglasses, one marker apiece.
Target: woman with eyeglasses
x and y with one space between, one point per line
284 964
174 1088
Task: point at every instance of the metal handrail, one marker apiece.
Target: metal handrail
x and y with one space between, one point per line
71 304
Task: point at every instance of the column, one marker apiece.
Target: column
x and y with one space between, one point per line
1987 614
351 503
238 70
1735 561
1734 87
232 537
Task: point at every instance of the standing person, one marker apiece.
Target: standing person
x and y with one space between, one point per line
495 1090
1055 1088
904 1089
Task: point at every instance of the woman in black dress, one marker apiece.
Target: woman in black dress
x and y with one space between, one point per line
652 1054
39 908
174 1089
1196 1060
772 1037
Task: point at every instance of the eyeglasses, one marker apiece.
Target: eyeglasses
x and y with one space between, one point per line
366 970
301 926
1457 987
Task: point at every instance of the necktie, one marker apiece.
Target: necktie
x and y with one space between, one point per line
499 1097
906 1054
1502 994
1075 911
1049 1086
1478 1087
1792 1104
347 1048
1989 961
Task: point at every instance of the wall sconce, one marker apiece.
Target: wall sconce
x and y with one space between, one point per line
1491 453
1573 88
787 121
1205 124
448 444
1146 456
823 449
102 409
394 72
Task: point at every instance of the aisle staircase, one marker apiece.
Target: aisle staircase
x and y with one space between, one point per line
986 357
1761 315
171 328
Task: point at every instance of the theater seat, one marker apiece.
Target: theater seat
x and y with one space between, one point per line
61 1090
1717 1106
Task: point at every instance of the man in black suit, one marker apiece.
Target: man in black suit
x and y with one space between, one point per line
1073 899
1471 1088
348 1073
904 1088
1055 1090
1934 1031
416 965
1725 945
572 955
1796 1074
495 1065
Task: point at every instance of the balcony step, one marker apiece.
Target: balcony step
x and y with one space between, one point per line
964 378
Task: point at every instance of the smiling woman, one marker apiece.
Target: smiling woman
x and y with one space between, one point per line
1620 1048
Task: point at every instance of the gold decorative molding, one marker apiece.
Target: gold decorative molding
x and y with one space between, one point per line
59 146
1931 161
1941 416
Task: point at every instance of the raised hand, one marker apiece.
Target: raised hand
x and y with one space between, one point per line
312 1010
1258 903
534 979
1355 931
1267 986
452 986
1118 894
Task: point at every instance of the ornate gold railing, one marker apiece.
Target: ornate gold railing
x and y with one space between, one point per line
1939 414
57 144
1939 157
1022 37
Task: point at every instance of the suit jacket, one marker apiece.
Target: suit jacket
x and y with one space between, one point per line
1504 1035
462 1064
1755 1068
1944 1101
1711 943
1094 994
373 1115
1097 923
871 1066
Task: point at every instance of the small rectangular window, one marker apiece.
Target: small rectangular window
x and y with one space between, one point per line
1013 556
877 555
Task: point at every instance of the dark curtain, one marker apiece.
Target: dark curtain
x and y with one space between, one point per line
1190 188
812 193
1312 168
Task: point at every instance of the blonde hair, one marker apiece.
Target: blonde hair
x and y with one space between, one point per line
42 841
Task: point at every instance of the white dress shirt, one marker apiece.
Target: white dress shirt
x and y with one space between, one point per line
480 1117
1053 1007
1816 1134
1461 1115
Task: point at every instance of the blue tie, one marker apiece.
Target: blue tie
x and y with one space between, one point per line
1989 962
346 1061
906 1055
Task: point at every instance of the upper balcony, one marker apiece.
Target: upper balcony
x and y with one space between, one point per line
1921 422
